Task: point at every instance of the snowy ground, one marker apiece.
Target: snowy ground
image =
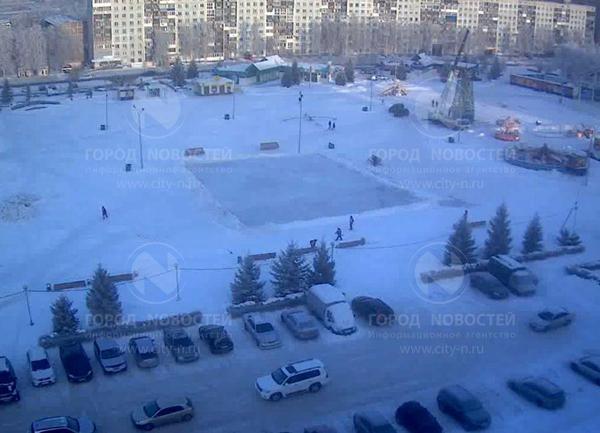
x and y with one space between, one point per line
202 220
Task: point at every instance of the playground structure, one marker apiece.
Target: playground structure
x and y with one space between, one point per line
544 158
396 89
456 107
509 129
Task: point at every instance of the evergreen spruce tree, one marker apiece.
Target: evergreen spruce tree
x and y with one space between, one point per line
323 269
567 238
295 73
64 316
340 79
103 299
192 70
7 95
499 238
290 272
349 71
532 240
401 72
247 285
460 248
286 78
178 73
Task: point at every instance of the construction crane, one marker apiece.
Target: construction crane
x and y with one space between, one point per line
456 106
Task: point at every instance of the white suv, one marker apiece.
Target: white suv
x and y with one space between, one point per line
302 376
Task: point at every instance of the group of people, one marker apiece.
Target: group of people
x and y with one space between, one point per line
339 235
331 126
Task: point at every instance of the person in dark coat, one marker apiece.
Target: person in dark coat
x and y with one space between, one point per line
329 125
104 213
351 223
338 234
333 126
313 243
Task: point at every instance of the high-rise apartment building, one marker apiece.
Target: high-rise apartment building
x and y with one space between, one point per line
137 32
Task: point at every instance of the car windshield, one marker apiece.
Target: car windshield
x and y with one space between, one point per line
40 364
279 376
264 327
113 352
151 408
182 341
546 315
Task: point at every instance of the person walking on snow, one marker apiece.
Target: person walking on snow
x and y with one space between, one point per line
338 234
104 213
333 126
329 125
351 223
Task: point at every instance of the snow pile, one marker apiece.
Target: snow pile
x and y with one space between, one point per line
18 207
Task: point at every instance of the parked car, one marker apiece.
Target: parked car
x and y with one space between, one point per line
301 324
262 331
8 382
519 279
76 363
588 367
489 285
371 421
540 391
302 376
417 419
40 369
63 424
373 310
216 338
181 345
109 355
551 318
144 351
329 305
162 412
464 407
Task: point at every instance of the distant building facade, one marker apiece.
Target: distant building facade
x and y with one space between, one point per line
138 32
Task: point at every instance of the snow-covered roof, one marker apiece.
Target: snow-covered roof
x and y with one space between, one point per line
214 79
328 293
235 67
270 62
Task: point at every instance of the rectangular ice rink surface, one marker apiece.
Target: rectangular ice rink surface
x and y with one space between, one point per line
292 188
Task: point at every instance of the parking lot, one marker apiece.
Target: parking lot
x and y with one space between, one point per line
378 368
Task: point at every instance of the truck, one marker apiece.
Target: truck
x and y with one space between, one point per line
513 274
329 305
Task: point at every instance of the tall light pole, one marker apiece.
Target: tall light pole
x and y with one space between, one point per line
106 111
139 113
300 122
371 100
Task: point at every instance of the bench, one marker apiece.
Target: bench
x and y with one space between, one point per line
351 244
194 151
269 145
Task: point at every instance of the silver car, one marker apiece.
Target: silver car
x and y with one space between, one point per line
588 367
109 355
301 324
63 424
161 412
551 318
262 331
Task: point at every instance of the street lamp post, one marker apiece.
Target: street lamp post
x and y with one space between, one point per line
300 123
139 113
371 100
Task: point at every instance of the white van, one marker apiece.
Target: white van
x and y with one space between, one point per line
329 305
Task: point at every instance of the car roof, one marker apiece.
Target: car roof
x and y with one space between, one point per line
375 417
36 353
173 401
305 364
459 392
328 293
106 343
50 423
554 310
143 342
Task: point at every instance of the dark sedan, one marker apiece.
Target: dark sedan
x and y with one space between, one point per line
417 419
216 338
373 310
76 363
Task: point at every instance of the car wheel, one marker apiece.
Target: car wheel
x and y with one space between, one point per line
276 397
315 387
187 417
148 427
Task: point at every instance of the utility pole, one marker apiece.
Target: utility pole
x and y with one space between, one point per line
26 291
177 281
139 113
300 123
